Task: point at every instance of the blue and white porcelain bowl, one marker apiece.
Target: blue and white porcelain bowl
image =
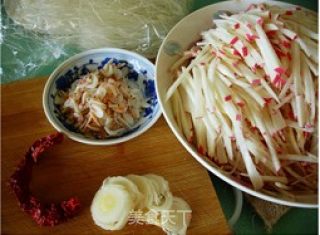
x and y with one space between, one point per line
85 62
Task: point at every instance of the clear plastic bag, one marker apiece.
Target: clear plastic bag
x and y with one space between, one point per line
36 35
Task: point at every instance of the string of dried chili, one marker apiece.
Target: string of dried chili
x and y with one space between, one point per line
44 214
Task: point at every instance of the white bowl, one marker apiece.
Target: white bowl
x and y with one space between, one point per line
180 38
66 73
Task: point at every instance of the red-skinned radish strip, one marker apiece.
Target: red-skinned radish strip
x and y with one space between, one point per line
271 178
310 48
232 53
282 186
207 88
284 101
212 70
298 158
300 104
254 175
186 121
187 95
230 61
294 110
293 23
269 142
248 52
295 125
292 140
270 27
288 33
198 113
258 12
242 25
255 55
248 112
221 23
226 37
176 109
210 39
286 88
228 146
250 19
200 107
285 67
304 47
307 32
212 135
248 74
183 119
200 135
200 58
255 95
214 121
266 116
221 153
225 90
225 70
309 154
180 62
302 29
225 80
278 121
257 150
251 169
225 125
233 79
267 51
296 175
313 67
296 70
309 93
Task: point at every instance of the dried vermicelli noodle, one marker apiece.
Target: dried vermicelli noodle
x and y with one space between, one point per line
134 25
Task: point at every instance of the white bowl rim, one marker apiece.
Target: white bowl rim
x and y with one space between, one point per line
71 135
195 154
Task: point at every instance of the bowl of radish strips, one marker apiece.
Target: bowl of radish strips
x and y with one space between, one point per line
237 82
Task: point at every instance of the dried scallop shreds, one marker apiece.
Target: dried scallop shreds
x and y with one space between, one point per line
249 104
104 102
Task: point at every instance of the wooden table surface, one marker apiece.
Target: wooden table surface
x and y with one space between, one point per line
76 169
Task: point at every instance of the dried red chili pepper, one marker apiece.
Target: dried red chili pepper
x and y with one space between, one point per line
45 214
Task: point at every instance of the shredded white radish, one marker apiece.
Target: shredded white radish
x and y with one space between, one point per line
251 93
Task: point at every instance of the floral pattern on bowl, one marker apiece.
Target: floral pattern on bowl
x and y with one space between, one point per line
84 63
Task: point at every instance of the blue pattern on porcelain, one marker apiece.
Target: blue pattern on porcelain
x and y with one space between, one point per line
89 64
